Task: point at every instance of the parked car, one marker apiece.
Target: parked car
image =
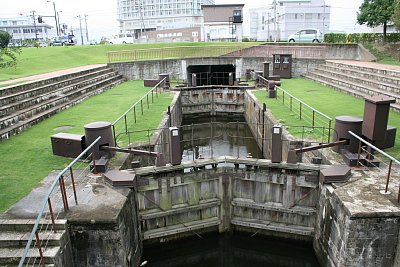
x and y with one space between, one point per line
306 36
63 40
122 38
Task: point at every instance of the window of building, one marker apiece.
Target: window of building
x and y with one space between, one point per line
319 16
4 23
14 22
309 15
26 31
195 34
16 31
295 16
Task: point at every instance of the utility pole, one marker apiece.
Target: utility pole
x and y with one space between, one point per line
80 27
268 29
87 32
275 33
55 16
34 23
323 20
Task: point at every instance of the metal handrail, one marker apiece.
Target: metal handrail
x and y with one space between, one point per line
313 109
44 205
374 147
137 102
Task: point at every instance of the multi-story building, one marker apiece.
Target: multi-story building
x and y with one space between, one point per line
285 17
25 28
222 22
138 16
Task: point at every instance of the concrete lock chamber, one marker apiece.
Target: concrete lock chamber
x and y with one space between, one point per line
103 129
344 124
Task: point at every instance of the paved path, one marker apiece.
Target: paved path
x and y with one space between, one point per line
50 74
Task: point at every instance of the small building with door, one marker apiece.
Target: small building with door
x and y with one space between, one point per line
222 23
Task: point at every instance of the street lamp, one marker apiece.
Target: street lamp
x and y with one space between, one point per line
55 15
80 27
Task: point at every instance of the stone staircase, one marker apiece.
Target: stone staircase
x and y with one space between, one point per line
14 235
360 78
22 106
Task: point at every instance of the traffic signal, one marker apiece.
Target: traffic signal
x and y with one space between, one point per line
40 19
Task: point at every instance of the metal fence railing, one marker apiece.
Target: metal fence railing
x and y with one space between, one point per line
54 203
124 123
174 52
371 157
305 112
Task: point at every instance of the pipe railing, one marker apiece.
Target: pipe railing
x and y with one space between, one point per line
49 206
124 116
369 151
305 111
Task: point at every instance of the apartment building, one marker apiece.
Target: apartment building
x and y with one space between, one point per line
284 17
140 16
24 28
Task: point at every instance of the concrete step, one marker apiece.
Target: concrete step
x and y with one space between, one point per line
378 69
55 101
19 126
181 228
14 105
350 88
273 226
52 87
26 225
13 89
369 83
362 74
19 239
11 256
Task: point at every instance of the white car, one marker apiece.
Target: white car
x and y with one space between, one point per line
122 38
306 36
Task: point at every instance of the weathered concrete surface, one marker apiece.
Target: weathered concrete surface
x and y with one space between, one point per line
357 225
103 227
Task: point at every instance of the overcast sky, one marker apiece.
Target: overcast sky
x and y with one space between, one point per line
102 14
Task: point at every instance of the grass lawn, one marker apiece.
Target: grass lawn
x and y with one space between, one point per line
46 59
27 158
327 100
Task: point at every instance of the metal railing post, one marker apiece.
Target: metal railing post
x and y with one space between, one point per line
73 185
359 154
300 110
126 125
388 176
39 248
65 191
329 131
313 118
51 214
62 195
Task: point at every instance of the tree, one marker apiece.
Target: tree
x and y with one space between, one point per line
8 55
375 13
396 14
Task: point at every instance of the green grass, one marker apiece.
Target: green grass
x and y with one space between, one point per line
46 59
327 100
27 158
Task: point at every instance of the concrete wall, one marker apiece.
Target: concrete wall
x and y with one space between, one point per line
108 242
345 239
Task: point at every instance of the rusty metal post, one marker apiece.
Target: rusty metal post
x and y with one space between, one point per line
94 161
300 110
329 131
359 154
51 214
134 113
39 248
62 194
291 103
283 97
126 125
388 176
65 191
313 118
73 185
147 101
169 117
141 106
152 96
114 134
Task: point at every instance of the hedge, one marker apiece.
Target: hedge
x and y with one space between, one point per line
360 37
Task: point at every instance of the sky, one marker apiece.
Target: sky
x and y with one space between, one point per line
102 14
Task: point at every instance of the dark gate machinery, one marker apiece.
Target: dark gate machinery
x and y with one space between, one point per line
373 127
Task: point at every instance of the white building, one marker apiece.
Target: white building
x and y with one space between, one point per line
137 16
285 17
25 29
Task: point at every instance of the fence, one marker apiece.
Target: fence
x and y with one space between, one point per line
175 52
122 125
387 166
306 113
54 203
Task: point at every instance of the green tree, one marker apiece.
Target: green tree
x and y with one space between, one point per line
396 14
8 55
375 13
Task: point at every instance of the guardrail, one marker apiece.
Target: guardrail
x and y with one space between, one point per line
386 168
175 52
52 201
304 111
119 130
